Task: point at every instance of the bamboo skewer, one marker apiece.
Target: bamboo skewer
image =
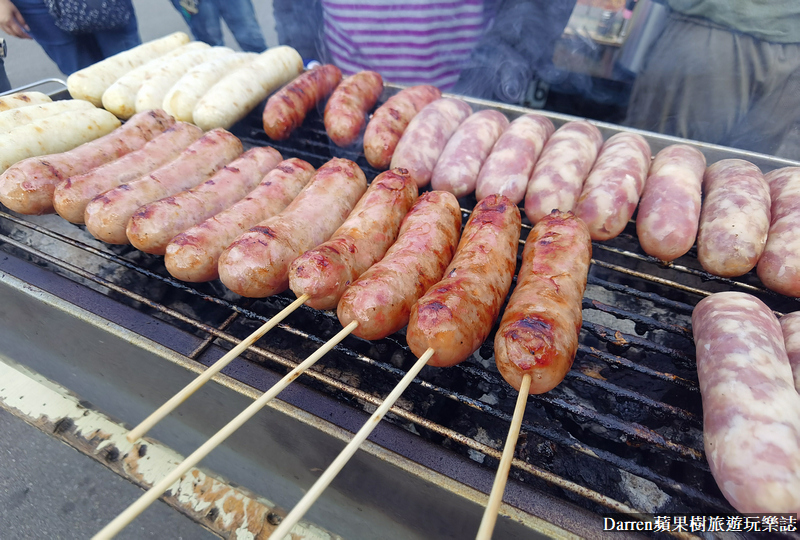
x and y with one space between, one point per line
130 513
173 403
500 479
341 460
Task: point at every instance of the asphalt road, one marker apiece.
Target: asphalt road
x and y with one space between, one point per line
27 63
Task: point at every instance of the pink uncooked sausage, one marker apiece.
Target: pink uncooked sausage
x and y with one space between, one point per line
612 190
751 409
153 225
779 265
510 164
562 168
734 218
426 136
790 326
193 255
256 265
669 211
381 299
325 272
457 169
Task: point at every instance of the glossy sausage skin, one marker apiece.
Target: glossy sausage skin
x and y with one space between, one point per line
457 169
390 121
510 164
153 225
779 265
734 218
562 168
35 179
287 108
107 214
381 299
73 194
327 270
347 108
538 334
256 265
456 315
790 326
426 136
193 255
612 190
669 210
751 409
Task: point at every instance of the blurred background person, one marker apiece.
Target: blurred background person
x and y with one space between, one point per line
31 19
724 72
203 18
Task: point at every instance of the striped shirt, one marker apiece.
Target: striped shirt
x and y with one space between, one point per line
408 42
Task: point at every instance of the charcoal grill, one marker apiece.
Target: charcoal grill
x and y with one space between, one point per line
621 434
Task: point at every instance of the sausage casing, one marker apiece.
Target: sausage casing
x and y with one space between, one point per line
779 265
510 164
562 168
538 334
426 136
347 108
734 218
193 255
390 121
153 225
287 108
456 315
107 214
381 299
256 265
457 168
669 210
327 270
751 409
790 327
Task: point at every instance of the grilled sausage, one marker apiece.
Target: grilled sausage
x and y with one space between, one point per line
153 225
538 334
510 163
751 409
107 214
20 116
390 121
287 108
669 211
73 194
456 315
257 263
327 270
381 299
562 168
23 99
28 186
734 218
457 169
779 265
193 255
790 327
345 113
612 190
426 136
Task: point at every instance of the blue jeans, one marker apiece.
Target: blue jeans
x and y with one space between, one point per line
239 15
72 52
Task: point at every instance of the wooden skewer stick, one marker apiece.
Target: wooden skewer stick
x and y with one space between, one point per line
173 403
341 460
130 513
499 487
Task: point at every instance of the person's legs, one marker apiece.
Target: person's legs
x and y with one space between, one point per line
69 52
5 85
117 40
241 19
205 24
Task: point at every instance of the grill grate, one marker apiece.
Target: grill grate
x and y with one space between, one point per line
622 433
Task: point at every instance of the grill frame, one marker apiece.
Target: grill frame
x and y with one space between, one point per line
620 257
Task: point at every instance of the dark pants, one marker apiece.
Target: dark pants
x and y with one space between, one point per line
709 84
73 52
5 85
240 17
